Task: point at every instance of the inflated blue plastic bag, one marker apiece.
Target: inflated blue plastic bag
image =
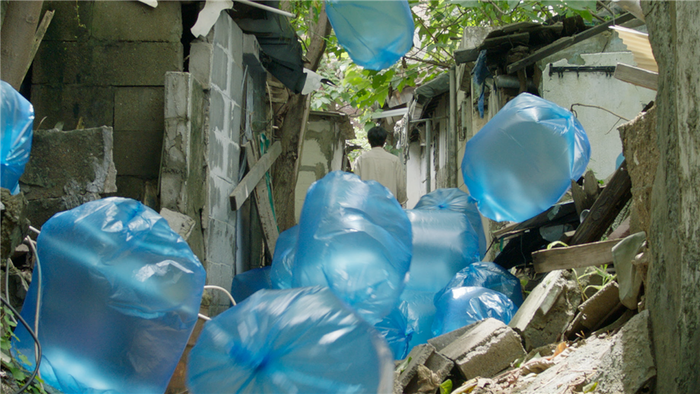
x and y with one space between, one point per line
395 329
419 310
456 200
489 275
376 34
120 294
16 122
462 306
247 283
355 238
523 160
443 243
290 341
283 259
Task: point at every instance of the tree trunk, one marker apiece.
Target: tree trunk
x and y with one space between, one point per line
284 171
16 38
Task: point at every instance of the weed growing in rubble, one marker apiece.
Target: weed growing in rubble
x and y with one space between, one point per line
11 369
600 271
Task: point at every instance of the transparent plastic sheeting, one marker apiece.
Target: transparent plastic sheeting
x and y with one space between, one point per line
247 283
354 238
444 242
283 259
120 293
461 306
395 329
290 341
16 122
376 34
523 160
456 200
419 310
489 275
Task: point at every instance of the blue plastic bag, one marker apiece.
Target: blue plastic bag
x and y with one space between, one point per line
283 259
523 160
489 275
376 34
290 341
16 122
456 200
355 238
443 243
247 283
120 297
462 306
419 310
395 329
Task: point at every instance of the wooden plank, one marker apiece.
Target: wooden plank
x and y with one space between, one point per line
551 215
577 256
603 212
262 200
248 183
637 76
565 42
507 41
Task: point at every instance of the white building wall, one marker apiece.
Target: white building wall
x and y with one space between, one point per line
600 90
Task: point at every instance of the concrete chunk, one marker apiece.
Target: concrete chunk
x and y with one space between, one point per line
181 224
548 310
425 368
487 348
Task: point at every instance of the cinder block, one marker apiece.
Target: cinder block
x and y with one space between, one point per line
76 160
135 21
71 20
219 204
137 153
220 69
548 310
117 63
71 103
201 54
422 355
139 108
484 350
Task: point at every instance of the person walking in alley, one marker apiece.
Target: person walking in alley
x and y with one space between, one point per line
381 166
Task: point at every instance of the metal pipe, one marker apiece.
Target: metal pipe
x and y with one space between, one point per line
428 149
452 133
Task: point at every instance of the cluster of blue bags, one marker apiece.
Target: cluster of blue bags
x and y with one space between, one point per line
16 121
524 159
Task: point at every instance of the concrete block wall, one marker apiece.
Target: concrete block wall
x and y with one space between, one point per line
103 63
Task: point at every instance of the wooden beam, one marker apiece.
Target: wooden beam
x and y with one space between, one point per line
248 183
578 256
637 76
605 209
38 37
507 41
263 202
566 42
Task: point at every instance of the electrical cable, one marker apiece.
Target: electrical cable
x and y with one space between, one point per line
37 346
32 246
221 289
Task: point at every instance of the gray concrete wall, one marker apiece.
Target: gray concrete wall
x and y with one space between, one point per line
673 293
104 63
322 152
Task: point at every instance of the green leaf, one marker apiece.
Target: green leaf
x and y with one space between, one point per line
581 5
446 387
467 3
512 4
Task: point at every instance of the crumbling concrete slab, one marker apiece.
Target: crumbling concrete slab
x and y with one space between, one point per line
548 310
66 169
595 309
642 159
487 348
424 372
180 223
13 222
